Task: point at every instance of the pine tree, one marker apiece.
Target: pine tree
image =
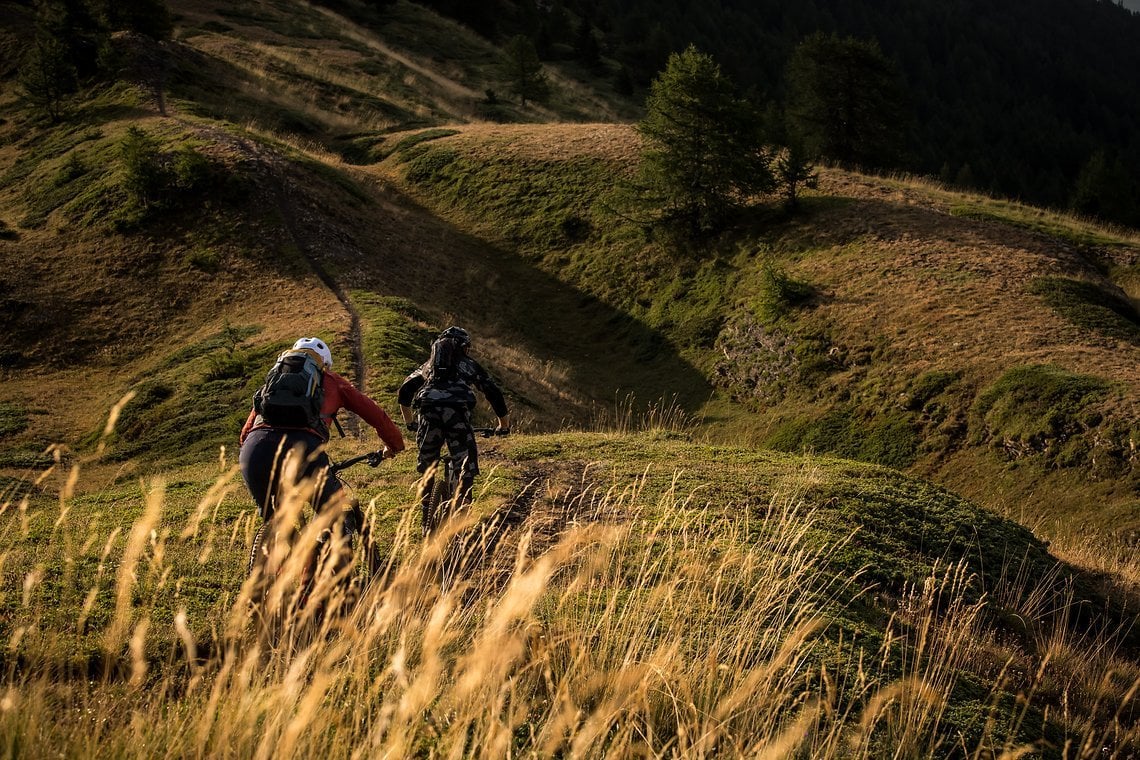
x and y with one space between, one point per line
1106 189
48 77
844 100
524 74
143 175
703 153
70 25
147 17
793 171
586 47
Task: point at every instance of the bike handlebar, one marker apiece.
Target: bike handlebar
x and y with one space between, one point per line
487 432
374 458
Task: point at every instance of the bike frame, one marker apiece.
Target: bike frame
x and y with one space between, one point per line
373 458
444 493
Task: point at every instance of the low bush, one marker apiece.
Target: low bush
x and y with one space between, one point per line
779 293
155 181
1036 405
427 167
929 386
13 420
888 439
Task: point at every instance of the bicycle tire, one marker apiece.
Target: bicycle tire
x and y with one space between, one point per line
433 506
255 552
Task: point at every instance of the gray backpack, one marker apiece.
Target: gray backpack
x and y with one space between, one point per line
293 392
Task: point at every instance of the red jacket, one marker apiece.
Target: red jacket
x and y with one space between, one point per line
341 394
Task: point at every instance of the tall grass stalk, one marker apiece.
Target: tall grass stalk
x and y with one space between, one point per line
628 416
671 628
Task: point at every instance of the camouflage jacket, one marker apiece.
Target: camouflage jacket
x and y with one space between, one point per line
457 391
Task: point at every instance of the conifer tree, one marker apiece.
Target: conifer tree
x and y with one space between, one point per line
794 171
47 76
524 74
586 46
845 100
703 153
147 17
1106 189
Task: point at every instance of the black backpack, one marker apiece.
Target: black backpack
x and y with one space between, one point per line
443 384
293 392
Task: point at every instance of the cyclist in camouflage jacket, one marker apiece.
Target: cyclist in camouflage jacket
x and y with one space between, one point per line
441 392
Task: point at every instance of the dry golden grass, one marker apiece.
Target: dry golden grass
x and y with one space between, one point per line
958 287
673 628
547 142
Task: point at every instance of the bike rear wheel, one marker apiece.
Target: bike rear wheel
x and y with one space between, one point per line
439 502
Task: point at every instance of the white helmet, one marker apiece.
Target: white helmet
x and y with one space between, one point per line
318 346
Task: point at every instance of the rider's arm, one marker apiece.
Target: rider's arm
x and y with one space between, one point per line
355 401
494 396
408 389
248 426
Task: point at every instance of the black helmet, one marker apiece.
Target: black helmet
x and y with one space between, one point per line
458 334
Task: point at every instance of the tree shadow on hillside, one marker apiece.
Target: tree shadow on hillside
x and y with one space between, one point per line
247 99
858 220
398 248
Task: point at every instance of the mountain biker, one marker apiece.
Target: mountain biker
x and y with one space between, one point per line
264 446
441 391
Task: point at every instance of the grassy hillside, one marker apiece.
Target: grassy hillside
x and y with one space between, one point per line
694 576
893 321
815 588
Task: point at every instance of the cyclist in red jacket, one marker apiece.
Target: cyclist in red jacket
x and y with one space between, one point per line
264 446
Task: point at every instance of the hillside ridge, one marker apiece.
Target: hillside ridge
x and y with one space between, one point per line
845 481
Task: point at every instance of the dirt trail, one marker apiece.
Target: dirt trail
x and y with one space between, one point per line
555 496
309 232
448 85
289 212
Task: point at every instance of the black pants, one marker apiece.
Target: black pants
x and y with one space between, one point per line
261 459
450 425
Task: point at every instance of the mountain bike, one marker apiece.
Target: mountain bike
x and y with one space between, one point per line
446 496
296 546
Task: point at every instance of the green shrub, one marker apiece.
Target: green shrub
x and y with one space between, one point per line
143 173
1034 404
233 365
928 386
73 168
205 259
13 420
887 439
156 181
229 338
193 172
136 416
429 166
778 293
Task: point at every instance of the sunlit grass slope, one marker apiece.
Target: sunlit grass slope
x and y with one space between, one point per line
346 79
970 339
622 593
